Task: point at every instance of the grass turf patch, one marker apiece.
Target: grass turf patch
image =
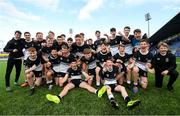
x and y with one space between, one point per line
81 102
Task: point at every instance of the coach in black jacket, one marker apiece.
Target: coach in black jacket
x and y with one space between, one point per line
164 63
14 47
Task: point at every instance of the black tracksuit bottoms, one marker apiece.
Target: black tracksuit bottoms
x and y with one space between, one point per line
10 64
159 78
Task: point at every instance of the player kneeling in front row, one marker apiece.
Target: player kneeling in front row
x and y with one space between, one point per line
142 62
109 73
74 73
53 68
33 68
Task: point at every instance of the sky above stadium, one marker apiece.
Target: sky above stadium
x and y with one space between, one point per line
83 15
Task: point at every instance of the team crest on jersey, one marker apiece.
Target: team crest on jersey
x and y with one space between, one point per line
139 58
145 74
107 75
115 41
32 45
102 59
87 62
67 60
15 43
26 46
167 60
158 58
61 58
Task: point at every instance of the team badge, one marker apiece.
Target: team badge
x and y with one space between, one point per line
167 60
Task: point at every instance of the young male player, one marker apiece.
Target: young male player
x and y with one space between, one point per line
74 74
33 68
103 55
89 64
142 60
109 73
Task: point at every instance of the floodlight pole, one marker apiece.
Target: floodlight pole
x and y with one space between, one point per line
148 18
148 29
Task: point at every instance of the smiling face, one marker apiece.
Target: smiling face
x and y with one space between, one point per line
32 54
78 41
54 53
113 33
49 42
121 49
104 48
109 65
17 35
163 50
65 50
126 31
88 56
27 36
143 45
74 65
137 35
98 34
39 36
60 40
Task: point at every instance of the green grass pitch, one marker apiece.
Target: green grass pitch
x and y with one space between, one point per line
81 102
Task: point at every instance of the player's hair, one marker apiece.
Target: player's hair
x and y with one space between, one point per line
87 51
112 29
59 37
121 45
104 43
31 49
17 31
38 33
63 35
53 48
65 47
144 40
90 39
137 31
77 36
127 27
26 33
97 31
69 39
82 34
162 44
51 32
